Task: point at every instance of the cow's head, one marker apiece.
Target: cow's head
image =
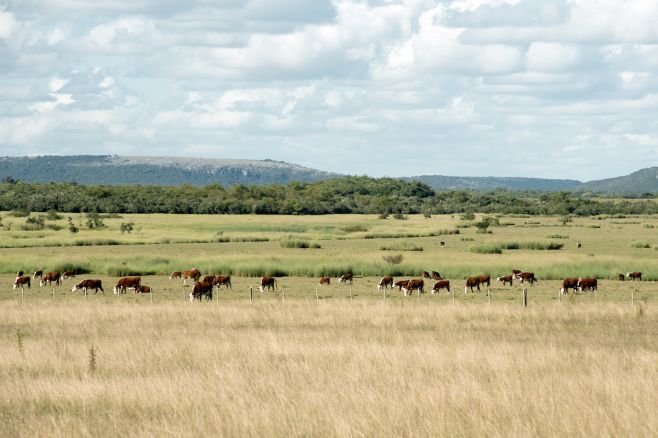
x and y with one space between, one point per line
74 288
42 283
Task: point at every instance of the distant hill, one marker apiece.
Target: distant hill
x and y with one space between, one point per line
642 181
119 170
492 182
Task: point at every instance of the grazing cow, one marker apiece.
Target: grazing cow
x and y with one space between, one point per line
412 285
68 274
37 274
176 274
527 276
143 289
472 282
201 289
634 275
621 277
442 243
193 274
127 283
49 278
402 284
345 278
579 245
587 284
222 280
441 284
425 274
89 284
485 278
208 279
436 276
505 279
267 283
325 280
385 282
21 281
569 283
516 273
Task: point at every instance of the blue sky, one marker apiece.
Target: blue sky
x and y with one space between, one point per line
556 89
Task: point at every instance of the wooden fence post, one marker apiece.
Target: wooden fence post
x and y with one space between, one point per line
418 294
251 294
85 295
453 294
525 297
633 296
489 295
22 295
384 293
317 297
350 292
283 290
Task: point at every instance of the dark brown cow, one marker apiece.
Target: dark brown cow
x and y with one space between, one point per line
516 272
587 284
425 274
89 284
222 280
527 276
402 284
436 276
176 274
441 284
505 279
127 283
267 283
37 274
325 280
49 278
201 289
485 278
569 283
412 285
634 275
143 289
385 282
21 281
68 274
208 279
621 277
472 282
345 278
193 274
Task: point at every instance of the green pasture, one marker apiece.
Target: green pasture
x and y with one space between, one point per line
251 246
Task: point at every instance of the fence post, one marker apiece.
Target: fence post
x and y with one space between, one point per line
53 294
85 295
317 297
251 294
384 293
489 295
633 296
151 295
525 297
283 290
453 294
350 292
418 294
22 295
559 295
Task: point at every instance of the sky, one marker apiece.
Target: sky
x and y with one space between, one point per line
554 89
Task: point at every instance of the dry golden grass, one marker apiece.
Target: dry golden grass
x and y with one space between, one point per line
332 368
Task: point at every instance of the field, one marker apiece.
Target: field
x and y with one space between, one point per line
330 361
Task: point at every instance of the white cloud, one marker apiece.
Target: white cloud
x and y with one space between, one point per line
551 57
7 24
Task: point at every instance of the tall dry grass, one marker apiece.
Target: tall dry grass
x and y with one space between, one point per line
303 368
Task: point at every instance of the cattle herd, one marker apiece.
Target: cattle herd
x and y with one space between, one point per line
203 287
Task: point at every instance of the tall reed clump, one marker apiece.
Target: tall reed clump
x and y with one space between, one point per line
538 246
299 244
486 249
640 244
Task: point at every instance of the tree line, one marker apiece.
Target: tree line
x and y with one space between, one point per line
335 196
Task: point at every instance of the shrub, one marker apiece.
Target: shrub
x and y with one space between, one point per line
353 228
127 227
52 215
640 244
557 236
539 246
468 216
486 249
20 213
393 259
400 216
299 244
402 247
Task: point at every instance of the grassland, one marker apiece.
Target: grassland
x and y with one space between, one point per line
335 360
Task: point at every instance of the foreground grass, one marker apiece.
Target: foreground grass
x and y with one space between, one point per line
328 369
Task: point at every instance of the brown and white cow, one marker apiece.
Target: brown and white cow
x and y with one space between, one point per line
49 278
176 274
425 274
267 282
37 274
412 285
68 274
21 281
506 279
569 283
208 279
472 282
587 284
634 275
84 285
527 276
441 284
193 274
345 278
385 282
436 276
485 278
143 289
222 280
516 272
325 281
127 283
621 277
201 289
402 284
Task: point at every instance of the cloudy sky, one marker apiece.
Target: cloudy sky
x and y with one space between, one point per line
558 89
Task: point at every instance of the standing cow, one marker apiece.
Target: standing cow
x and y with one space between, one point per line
472 282
127 283
634 275
345 278
267 282
441 284
505 279
21 281
385 282
49 278
201 289
412 285
569 283
325 281
84 285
